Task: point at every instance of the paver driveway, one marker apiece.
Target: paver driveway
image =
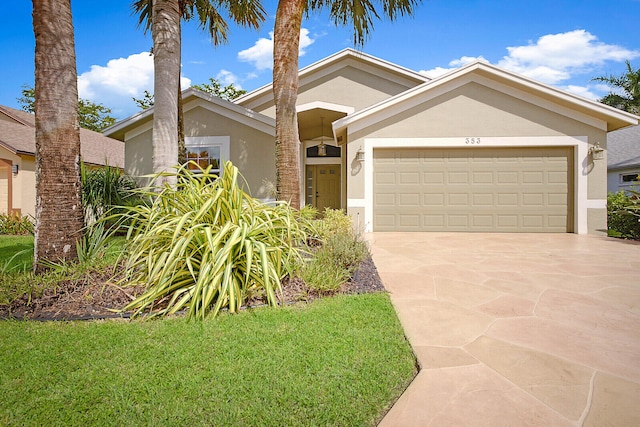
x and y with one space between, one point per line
516 329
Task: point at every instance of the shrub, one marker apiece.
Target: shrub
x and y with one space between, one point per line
205 244
334 262
321 274
15 224
623 214
105 189
334 221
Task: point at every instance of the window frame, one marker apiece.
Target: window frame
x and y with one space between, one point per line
622 181
223 142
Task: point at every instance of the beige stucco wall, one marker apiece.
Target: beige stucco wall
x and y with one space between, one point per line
252 151
473 110
138 156
348 86
24 183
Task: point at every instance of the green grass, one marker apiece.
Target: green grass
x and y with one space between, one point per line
338 361
16 275
21 247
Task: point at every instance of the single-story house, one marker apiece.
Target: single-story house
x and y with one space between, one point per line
477 149
623 159
18 161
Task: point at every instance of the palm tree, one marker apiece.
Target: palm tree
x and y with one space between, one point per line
166 85
59 213
629 84
248 13
286 39
286 42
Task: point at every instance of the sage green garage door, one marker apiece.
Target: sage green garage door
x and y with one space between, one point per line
479 189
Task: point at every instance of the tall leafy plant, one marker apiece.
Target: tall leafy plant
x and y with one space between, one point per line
205 244
103 189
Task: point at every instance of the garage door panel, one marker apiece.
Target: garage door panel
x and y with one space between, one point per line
481 189
483 177
529 177
409 199
483 199
509 178
454 178
507 199
433 178
386 178
409 178
483 221
386 199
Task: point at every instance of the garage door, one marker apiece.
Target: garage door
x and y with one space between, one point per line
480 189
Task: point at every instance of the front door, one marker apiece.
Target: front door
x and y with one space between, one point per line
323 186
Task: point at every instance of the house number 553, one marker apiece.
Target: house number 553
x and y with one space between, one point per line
472 140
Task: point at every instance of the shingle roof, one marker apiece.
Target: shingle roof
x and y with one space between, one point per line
623 148
17 134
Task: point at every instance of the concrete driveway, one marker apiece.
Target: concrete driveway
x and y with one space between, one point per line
516 329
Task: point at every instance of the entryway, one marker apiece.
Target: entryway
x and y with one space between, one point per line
322 186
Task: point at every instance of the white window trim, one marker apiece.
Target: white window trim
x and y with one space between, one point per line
580 144
628 183
224 142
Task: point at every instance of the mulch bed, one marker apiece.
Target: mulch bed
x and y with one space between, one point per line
97 297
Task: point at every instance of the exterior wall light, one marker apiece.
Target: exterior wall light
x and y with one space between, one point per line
597 152
15 169
322 147
360 155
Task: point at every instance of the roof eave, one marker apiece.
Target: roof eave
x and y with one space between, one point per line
614 118
348 52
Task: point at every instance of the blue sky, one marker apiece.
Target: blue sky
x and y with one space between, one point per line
562 43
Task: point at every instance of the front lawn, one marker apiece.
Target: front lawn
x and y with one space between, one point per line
338 361
16 253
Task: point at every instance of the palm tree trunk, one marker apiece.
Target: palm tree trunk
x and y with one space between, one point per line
286 40
59 213
182 149
166 61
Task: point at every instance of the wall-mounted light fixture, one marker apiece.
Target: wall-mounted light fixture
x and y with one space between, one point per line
322 147
597 152
360 155
15 169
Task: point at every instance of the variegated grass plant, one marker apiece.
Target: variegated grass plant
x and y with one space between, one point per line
206 244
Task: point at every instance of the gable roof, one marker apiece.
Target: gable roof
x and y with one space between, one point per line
484 73
623 148
18 135
202 99
334 62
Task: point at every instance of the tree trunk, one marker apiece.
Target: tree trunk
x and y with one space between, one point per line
59 213
286 40
166 62
182 149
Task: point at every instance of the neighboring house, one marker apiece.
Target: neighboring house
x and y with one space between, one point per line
623 159
18 162
478 149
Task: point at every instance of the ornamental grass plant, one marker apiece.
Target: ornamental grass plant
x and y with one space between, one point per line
206 244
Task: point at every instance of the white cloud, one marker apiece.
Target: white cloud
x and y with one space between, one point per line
121 79
456 63
261 53
555 58
583 91
226 77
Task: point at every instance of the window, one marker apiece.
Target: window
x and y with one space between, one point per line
629 178
207 151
